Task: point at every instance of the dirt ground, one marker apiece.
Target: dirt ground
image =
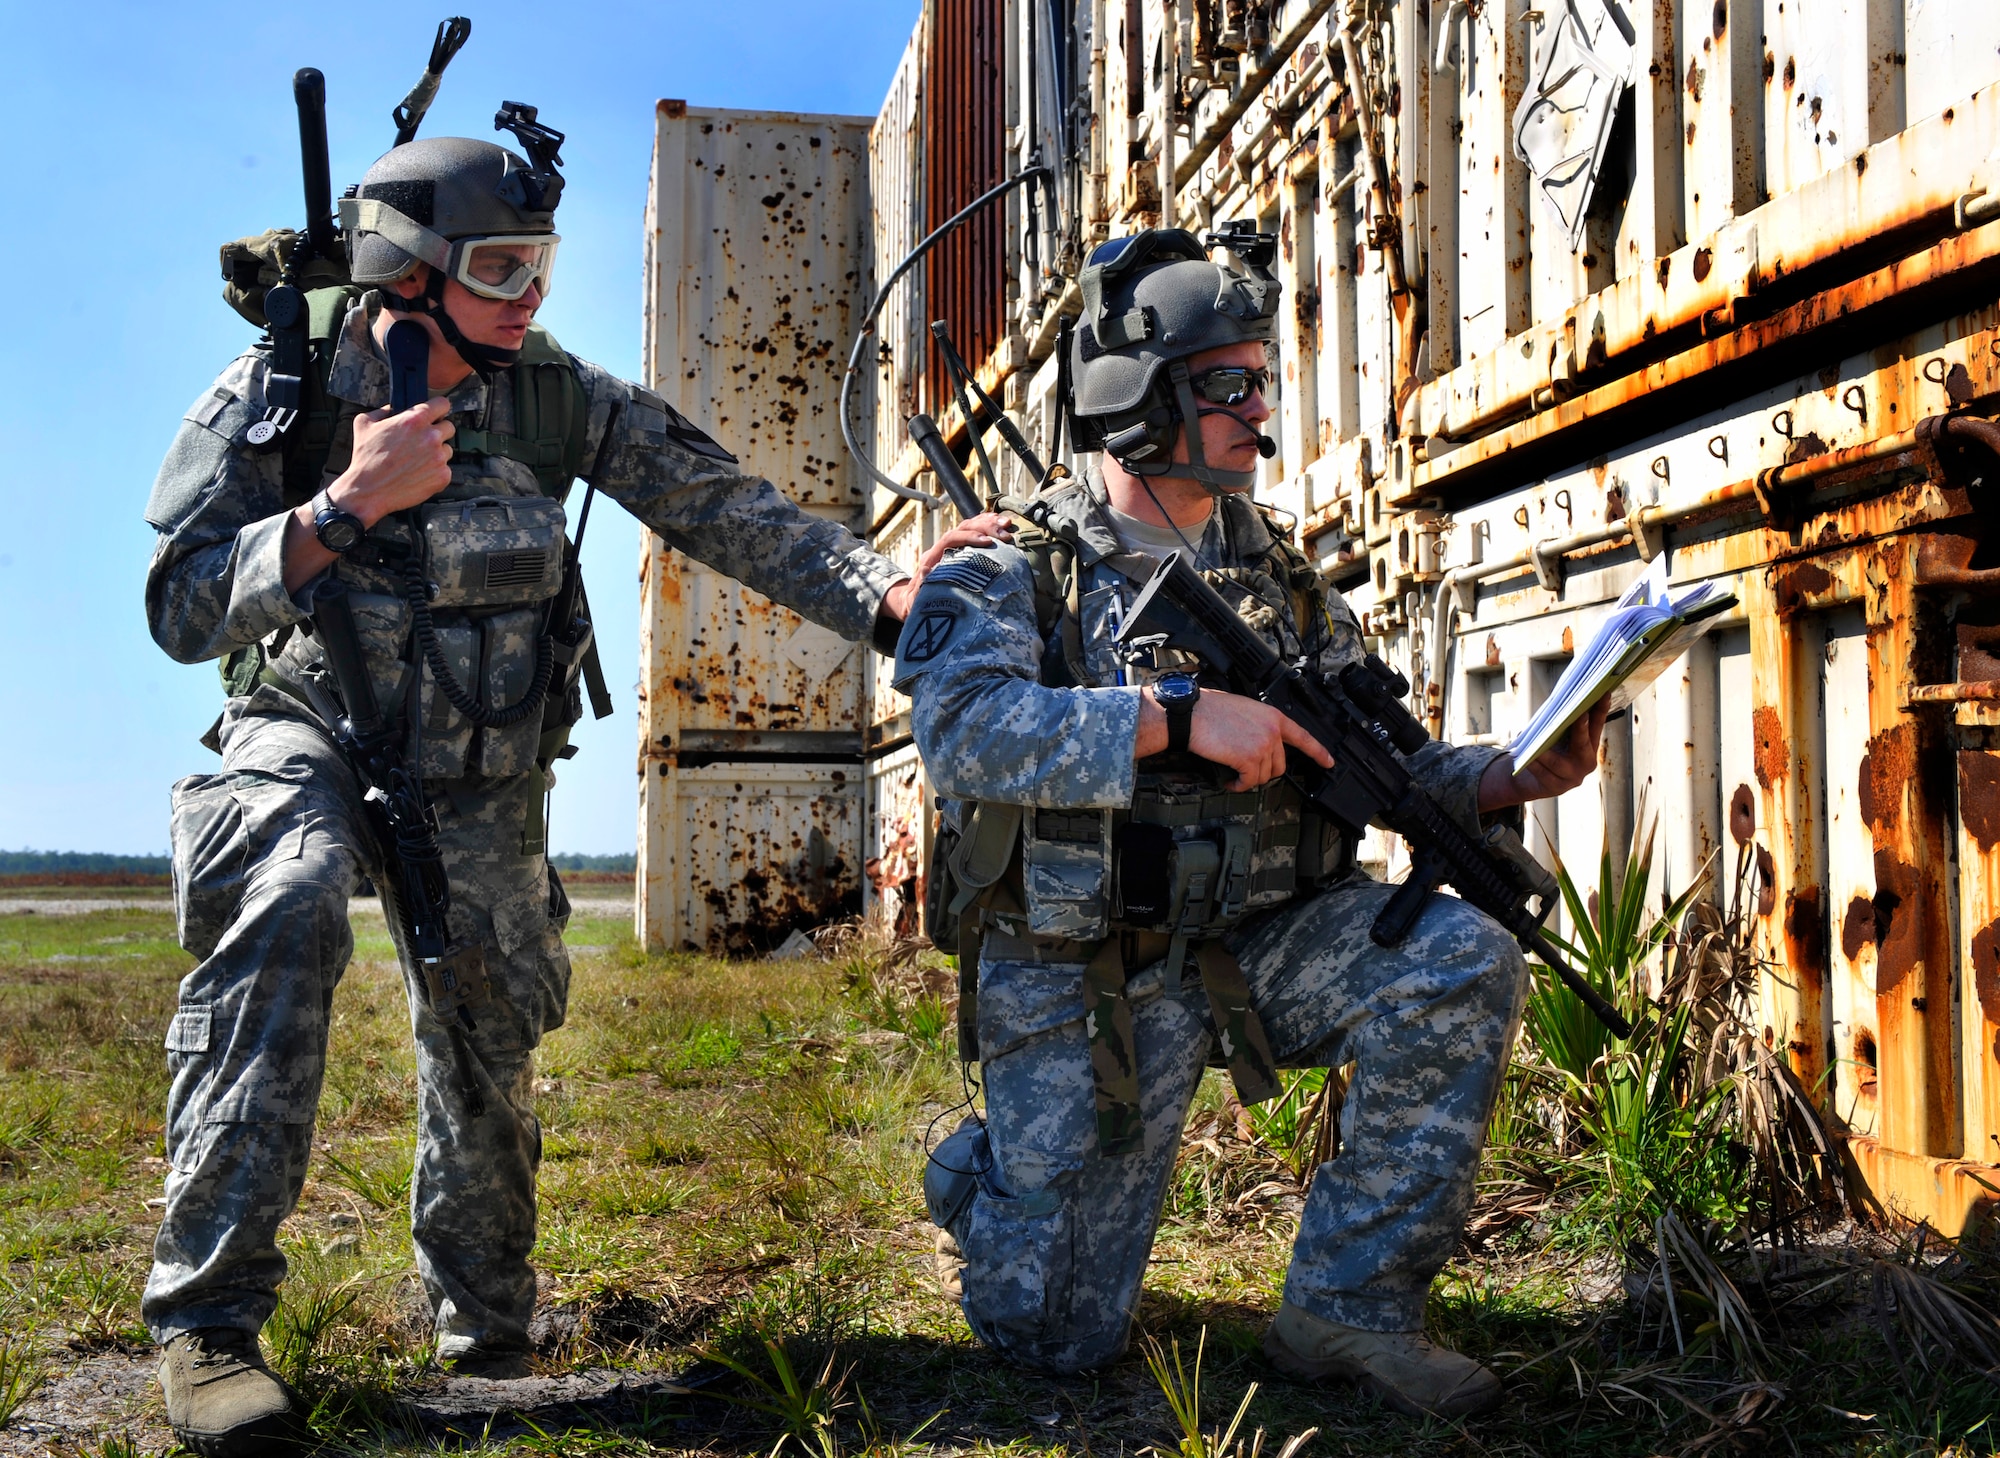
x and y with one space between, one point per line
732 1154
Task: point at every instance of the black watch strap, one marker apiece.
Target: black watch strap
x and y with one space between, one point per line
1180 725
339 530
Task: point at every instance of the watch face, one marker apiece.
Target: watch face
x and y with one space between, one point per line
1173 687
337 531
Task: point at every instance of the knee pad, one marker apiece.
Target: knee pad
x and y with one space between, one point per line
953 1170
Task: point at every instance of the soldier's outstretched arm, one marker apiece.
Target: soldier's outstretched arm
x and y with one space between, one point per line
216 582
696 496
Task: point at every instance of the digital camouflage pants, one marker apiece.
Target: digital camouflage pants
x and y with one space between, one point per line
266 854
1057 1236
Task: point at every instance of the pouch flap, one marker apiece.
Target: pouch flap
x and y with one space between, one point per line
987 848
492 550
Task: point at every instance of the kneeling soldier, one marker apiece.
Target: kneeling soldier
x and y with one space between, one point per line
1128 857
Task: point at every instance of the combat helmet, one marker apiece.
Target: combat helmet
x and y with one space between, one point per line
1151 300
465 207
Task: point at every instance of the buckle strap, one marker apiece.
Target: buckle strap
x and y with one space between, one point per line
1114 1054
532 453
1245 1045
1114 1057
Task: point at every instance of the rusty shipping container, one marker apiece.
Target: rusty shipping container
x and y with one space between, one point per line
750 719
1571 290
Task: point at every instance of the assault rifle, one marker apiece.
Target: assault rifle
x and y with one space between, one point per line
1363 724
418 890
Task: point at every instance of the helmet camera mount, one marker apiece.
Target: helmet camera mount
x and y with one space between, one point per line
538 189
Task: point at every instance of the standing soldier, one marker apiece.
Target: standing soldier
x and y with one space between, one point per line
1129 862
444 525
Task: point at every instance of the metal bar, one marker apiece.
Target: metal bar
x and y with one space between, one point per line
1253 82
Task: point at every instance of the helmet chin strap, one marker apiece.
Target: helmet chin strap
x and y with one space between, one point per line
1218 481
487 359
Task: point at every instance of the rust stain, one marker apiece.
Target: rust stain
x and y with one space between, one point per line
1805 932
1569 641
1492 651
1857 930
1978 647
1743 815
1773 755
1767 882
1986 969
1979 796
1898 920
1885 769
1794 583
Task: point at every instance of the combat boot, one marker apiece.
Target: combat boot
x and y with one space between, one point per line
1403 1368
489 1364
950 1268
222 1400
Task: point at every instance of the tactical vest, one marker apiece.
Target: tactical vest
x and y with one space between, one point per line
1159 880
490 554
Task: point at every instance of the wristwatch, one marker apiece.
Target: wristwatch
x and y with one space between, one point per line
339 531
1177 693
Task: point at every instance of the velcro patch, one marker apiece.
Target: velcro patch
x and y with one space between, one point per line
924 639
204 410
967 570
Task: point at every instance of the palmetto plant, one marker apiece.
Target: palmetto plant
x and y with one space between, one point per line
1611 946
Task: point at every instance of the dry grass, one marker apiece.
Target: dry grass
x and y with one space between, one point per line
733 1158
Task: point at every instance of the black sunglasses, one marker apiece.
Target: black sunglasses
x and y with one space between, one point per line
1230 385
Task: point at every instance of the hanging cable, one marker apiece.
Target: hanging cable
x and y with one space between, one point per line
1037 174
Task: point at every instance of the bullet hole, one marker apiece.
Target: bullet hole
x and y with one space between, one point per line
1742 815
1866 1080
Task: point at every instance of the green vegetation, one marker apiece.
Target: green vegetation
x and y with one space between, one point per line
1659 1260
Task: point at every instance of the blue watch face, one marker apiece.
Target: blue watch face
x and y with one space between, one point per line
1172 688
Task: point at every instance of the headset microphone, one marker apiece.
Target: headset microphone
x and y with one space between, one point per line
1267 448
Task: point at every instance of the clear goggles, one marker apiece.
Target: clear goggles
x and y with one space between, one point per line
503 267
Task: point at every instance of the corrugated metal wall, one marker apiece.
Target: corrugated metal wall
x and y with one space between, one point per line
1500 400
963 99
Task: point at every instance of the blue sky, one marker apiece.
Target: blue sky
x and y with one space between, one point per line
141 137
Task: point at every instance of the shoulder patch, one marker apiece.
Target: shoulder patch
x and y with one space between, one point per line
656 423
927 637
966 570
690 436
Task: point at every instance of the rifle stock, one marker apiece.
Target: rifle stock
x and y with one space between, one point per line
1363 725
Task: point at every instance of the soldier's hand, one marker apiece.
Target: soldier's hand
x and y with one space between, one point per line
1562 766
1229 729
399 461
985 530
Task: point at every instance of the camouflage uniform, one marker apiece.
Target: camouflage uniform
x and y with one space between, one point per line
1056 1234
268 852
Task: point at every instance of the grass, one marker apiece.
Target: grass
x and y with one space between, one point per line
731 1199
